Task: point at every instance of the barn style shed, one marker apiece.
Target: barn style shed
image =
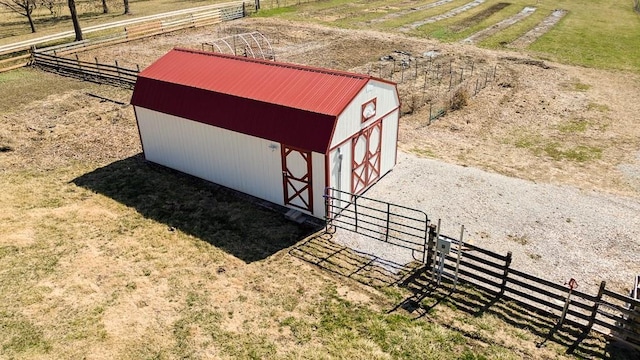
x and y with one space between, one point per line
281 132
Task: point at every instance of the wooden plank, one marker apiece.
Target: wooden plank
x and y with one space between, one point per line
557 307
484 271
201 23
617 329
551 284
625 311
72 63
15 58
535 308
481 286
534 299
466 255
550 294
477 277
136 30
623 298
13 51
13 67
88 74
502 258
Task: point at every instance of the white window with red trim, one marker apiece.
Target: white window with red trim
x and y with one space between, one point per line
369 110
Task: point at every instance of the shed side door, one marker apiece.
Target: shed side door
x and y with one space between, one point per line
365 150
296 178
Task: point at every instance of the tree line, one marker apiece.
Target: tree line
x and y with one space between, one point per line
26 8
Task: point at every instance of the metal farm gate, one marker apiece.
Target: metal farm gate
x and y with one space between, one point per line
390 223
445 259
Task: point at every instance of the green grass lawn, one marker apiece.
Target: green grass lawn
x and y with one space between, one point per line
594 33
106 255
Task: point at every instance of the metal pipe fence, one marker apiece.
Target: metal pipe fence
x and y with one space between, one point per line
446 258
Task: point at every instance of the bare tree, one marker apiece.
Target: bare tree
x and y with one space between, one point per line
74 18
22 7
126 7
52 5
105 8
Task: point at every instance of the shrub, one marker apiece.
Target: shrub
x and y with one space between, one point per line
459 99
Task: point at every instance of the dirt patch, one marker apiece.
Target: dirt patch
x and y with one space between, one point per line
485 33
545 25
70 116
527 61
401 13
477 18
447 15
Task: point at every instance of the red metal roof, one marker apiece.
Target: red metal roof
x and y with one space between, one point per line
292 104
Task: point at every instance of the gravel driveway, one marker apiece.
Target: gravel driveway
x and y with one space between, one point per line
555 232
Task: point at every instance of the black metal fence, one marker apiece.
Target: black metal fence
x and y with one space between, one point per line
452 260
88 71
394 224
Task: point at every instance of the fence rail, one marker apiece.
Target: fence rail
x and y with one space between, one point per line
394 224
134 29
608 312
95 72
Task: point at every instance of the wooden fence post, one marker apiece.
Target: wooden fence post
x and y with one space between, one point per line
355 211
460 242
430 115
507 264
80 66
386 235
434 253
431 245
33 54
594 312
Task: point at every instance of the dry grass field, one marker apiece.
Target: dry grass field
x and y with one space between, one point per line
107 256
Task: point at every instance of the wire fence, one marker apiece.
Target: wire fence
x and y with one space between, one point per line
443 83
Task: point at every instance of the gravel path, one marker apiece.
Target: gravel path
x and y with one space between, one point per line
555 232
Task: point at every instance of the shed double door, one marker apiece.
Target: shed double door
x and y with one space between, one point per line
296 178
365 149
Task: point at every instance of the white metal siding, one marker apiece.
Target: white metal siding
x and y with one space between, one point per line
318 183
242 162
349 122
341 177
389 142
